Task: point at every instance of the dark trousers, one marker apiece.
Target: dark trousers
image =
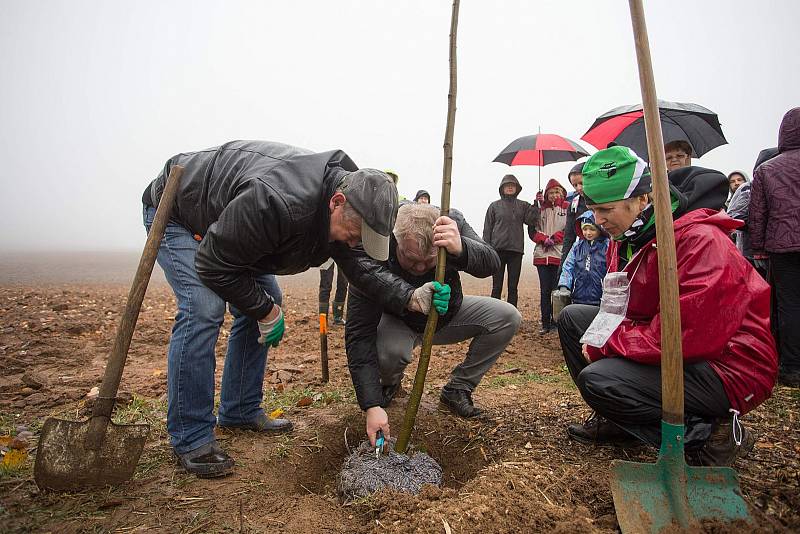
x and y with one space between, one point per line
512 261
785 273
326 284
628 393
548 278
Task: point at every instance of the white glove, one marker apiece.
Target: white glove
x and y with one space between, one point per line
421 299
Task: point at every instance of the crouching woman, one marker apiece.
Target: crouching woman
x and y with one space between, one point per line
730 360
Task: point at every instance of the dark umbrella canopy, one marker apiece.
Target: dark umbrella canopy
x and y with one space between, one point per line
540 150
679 122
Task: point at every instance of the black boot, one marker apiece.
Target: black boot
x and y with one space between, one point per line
338 313
323 308
207 461
459 401
546 327
597 430
720 449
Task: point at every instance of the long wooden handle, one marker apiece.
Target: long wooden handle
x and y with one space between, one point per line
119 353
671 353
323 346
441 259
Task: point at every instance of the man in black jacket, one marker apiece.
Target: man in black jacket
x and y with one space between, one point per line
246 211
387 312
502 229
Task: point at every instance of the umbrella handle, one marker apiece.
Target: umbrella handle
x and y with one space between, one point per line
671 353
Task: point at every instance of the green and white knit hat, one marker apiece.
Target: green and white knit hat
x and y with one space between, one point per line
615 173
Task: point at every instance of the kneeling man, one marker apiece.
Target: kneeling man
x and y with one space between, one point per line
386 316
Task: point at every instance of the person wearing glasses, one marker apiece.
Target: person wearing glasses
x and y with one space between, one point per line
678 154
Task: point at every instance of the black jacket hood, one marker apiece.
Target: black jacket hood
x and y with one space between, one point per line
698 187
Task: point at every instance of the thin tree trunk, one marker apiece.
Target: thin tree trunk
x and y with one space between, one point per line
430 327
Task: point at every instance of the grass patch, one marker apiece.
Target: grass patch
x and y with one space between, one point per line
289 399
526 377
141 410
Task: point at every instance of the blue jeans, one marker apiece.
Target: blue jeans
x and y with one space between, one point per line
191 359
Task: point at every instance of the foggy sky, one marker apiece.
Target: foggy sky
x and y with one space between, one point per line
96 95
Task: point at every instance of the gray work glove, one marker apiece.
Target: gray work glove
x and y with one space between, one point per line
562 292
421 299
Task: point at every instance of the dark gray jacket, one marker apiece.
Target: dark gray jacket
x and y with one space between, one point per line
258 207
502 227
386 287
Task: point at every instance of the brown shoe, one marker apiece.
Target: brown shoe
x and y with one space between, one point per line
597 430
720 449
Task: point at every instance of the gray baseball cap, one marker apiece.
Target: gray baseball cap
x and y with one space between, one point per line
373 195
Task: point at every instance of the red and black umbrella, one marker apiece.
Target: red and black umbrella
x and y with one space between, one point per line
679 122
540 149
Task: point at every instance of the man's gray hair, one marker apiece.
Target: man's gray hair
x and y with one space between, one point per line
415 221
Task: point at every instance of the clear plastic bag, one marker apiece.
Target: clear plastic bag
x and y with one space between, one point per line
613 307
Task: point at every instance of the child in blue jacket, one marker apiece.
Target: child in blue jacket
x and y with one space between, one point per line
585 267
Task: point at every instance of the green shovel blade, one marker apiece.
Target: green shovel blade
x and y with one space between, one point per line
652 497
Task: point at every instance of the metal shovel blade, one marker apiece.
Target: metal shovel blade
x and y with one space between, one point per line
650 498
65 463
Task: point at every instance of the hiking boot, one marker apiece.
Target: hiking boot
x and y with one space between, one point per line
720 449
459 401
545 328
338 313
597 430
261 423
207 461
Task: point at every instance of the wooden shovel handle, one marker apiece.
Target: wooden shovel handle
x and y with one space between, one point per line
671 352
119 353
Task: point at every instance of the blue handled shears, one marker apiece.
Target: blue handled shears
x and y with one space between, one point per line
379 441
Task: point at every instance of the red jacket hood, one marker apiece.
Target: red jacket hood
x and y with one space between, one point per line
552 184
708 216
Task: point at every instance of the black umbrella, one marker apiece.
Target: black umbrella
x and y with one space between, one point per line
539 150
679 122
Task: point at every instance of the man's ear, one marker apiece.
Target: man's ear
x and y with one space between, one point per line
338 199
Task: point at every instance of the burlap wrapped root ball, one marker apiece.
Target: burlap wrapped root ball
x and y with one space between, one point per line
363 474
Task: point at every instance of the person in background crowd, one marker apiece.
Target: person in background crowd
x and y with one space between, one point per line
325 287
774 225
395 178
422 197
502 229
583 271
577 206
678 154
730 361
548 234
735 181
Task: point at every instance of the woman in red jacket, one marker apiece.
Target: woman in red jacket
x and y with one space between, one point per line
730 360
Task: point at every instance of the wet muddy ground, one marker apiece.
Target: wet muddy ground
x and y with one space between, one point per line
511 471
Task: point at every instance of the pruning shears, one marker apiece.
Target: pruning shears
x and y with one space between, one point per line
379 441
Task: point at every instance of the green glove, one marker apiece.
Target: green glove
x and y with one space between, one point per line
441 297
272 332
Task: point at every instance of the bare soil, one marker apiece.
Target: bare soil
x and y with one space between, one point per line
512 471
